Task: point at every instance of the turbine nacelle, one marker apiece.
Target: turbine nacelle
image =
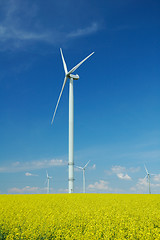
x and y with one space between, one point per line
74 77
83 168
49 177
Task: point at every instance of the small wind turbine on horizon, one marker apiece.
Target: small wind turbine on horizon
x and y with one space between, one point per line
84 180
47 180
71 117
148 176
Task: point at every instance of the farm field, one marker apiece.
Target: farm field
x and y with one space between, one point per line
80 216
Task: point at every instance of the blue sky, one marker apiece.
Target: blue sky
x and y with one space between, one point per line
116 99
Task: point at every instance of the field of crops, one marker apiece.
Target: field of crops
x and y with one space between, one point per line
80 216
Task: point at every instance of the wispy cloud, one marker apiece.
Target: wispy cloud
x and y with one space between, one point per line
156 178
33 165
93 28
63 190
142 155
22 24
142 186
118 169
34 190
93 167
122 172
99 186
123 176
26 190
134 169
30 174
102 186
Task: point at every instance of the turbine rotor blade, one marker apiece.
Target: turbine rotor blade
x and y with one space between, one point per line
65 80
79 167
146 169
64 63
86 164
77 66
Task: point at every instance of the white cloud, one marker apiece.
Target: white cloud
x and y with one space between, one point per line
142 186
123 176
156 178
47 163
134 169
121 172
118 169
30 174
101 185
93 167
84 31
34 190
29 190
63 190
26 189
142 182
33 165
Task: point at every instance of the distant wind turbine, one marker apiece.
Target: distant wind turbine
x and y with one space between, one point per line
148 176
84 181
47 180
71 117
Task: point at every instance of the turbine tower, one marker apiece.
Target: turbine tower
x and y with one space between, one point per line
71 117
48 178
148 176
84 180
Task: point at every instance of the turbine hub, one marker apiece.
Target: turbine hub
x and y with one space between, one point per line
75 77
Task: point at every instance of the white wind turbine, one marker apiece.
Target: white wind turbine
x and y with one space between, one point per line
71 117
47 180
84 180
148 176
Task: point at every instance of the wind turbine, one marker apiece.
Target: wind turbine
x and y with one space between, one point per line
84 181
148 176
71 117
47 180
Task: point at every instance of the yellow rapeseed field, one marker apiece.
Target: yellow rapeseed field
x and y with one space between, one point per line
80 216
